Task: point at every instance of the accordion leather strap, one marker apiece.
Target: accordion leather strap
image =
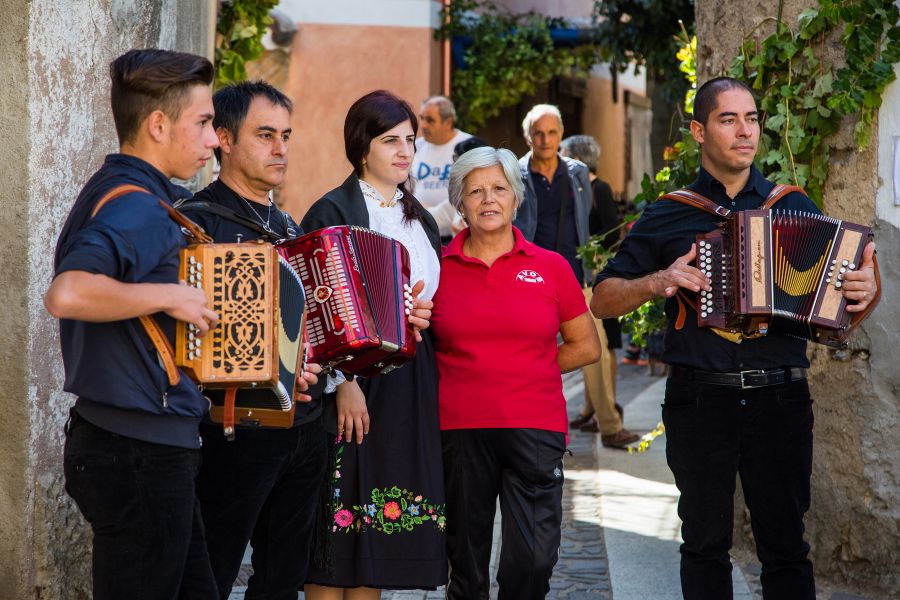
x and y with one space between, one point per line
228 413
778 192
163 348
154 331
691 198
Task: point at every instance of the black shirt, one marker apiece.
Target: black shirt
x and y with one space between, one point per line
665 232
224 230
549 200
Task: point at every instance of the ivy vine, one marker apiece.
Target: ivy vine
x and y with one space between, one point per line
507 57
239 31
802 97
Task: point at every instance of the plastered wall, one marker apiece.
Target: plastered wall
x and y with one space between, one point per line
55 129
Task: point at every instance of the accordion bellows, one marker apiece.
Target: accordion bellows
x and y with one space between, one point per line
779 271
259 340
358 298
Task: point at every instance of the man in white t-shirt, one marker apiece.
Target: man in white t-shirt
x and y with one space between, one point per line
434 155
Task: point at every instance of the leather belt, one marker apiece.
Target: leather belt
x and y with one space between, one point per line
744 379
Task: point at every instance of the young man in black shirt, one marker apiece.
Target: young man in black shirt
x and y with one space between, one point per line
263 486
132 449
729 408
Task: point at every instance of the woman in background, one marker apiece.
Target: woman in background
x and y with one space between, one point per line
385 517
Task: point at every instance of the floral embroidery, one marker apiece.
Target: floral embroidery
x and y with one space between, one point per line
392 510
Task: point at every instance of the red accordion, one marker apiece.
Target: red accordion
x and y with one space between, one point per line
778 271
358 298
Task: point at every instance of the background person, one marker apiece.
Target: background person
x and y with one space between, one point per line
386 518
261 487
501 303
434 155
132 449
600 412
729 407
555 215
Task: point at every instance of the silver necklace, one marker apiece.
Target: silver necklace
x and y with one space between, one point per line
265 224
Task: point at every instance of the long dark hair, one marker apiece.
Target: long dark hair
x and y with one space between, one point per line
369 117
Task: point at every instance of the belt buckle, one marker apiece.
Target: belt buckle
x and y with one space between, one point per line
747 386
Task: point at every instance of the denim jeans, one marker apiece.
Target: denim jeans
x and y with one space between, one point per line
140 500
261 488
764 435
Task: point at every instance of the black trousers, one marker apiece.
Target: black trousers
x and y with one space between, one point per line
765 436
261 488
140 500
524 467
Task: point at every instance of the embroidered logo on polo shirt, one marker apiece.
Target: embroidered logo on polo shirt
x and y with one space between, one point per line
529 276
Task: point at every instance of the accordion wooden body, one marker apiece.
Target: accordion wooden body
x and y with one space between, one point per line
258 343
358 298
779 271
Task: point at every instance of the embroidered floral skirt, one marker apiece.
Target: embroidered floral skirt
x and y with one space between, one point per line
385 518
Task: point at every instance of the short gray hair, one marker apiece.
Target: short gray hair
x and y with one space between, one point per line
537 111
444 105
584 148
482 158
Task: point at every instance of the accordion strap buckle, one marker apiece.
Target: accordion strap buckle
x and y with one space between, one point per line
722 211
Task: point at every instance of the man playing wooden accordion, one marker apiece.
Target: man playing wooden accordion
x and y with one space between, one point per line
262 487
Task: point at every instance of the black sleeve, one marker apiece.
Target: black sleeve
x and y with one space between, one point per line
323 213
604 214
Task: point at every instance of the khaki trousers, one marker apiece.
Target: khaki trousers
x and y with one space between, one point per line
600 382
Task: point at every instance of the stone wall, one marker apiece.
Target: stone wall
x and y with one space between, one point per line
56 129
854 523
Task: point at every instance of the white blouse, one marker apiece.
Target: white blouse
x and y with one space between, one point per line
387 218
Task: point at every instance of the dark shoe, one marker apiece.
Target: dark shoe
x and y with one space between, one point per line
620 439
581 420
590 427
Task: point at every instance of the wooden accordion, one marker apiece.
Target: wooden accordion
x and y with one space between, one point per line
358 298
259 340
779 271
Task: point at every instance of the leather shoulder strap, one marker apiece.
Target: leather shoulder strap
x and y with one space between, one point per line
778 192
151 327
116 192
695 200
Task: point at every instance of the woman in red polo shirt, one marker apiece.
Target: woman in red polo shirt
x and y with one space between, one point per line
500 304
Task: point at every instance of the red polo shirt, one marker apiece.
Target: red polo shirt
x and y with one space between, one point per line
495 331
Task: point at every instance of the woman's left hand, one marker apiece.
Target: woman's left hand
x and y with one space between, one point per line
420 316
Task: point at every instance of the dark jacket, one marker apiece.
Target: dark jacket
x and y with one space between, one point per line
345 205
526 216
113 367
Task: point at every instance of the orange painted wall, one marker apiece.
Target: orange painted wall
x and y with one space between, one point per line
605 120
331 66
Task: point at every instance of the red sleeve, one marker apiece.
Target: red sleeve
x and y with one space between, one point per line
568 291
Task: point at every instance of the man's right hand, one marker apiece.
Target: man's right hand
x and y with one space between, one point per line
188 304
679 274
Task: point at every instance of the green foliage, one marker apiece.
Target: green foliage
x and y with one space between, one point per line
241 26
804 98
645 33
510 56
